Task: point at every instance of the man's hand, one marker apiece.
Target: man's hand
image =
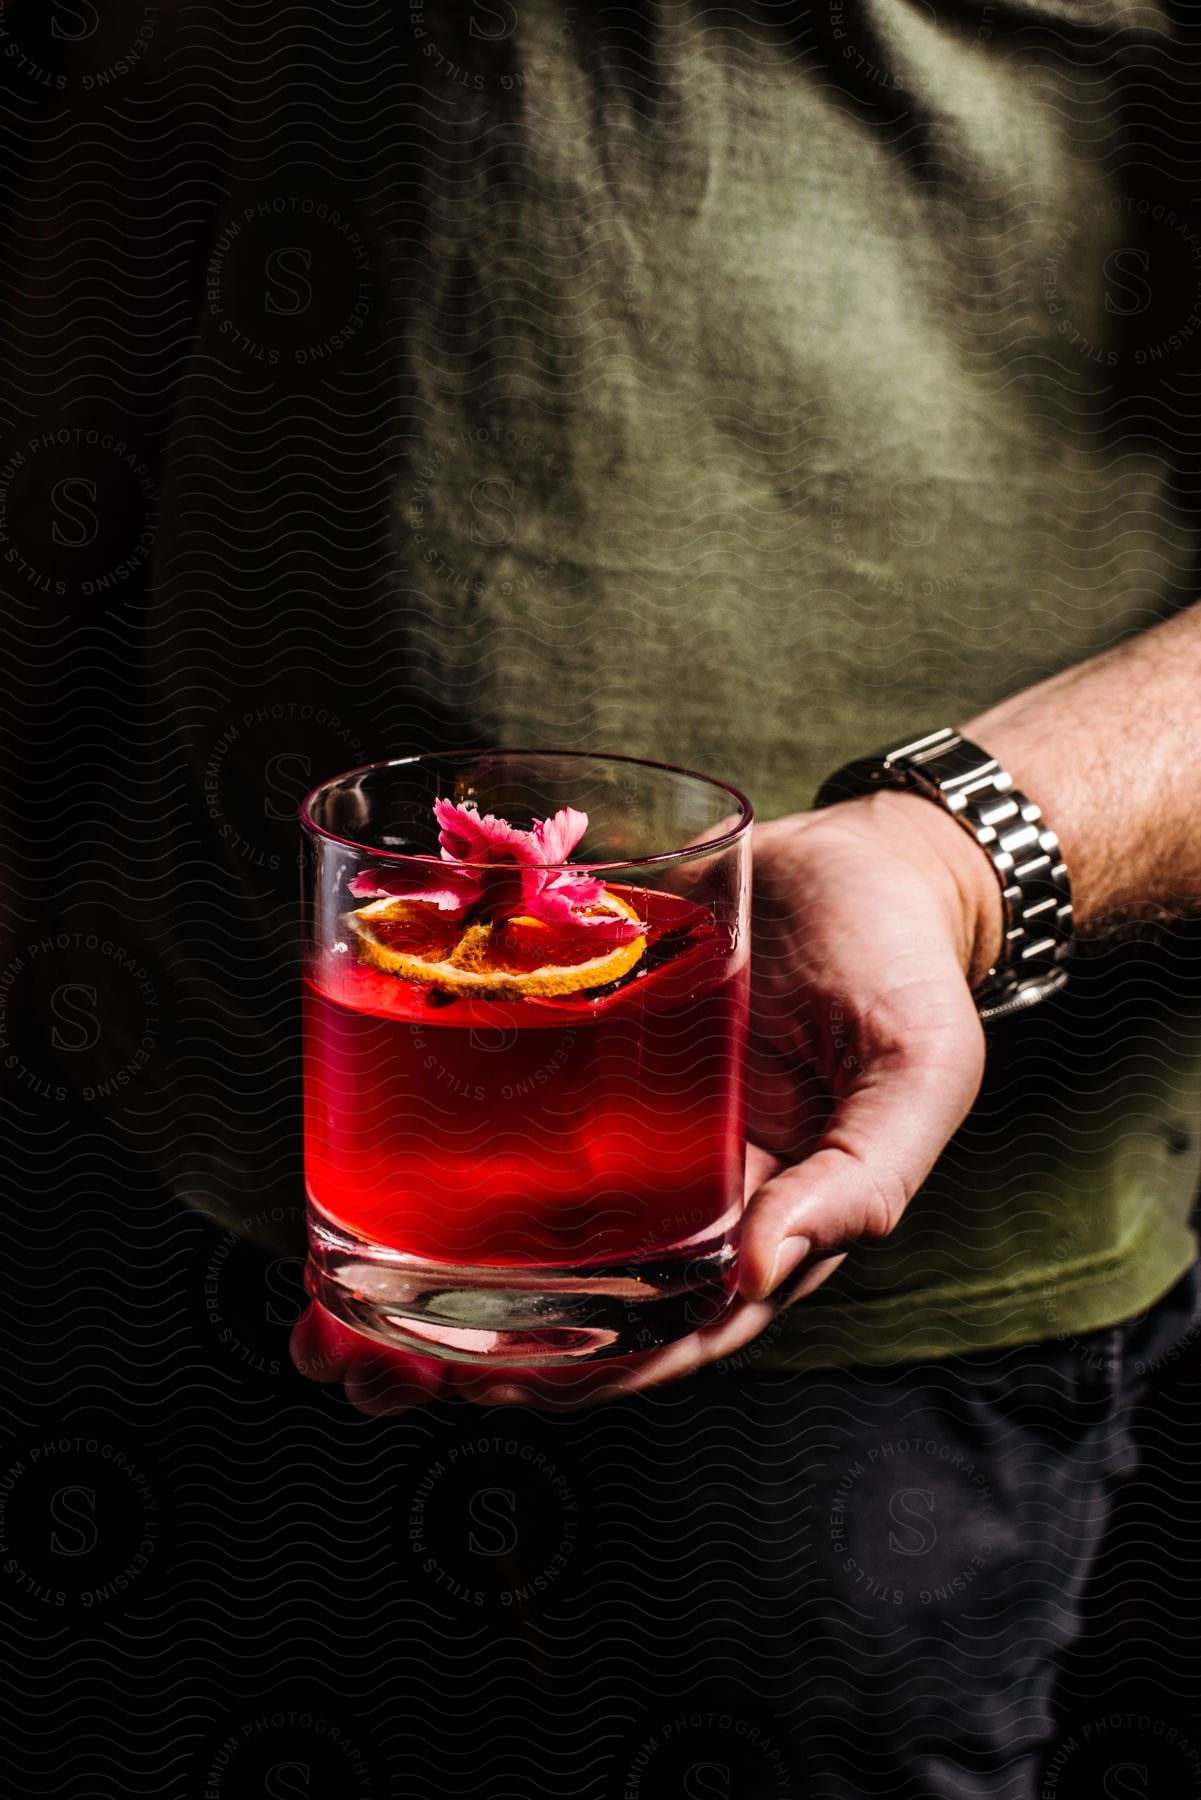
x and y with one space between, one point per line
872 921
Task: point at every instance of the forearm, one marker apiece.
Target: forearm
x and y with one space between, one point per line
1110 752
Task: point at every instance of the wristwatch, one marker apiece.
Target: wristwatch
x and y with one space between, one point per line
1036 891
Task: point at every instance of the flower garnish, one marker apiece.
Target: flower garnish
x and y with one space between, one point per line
490 871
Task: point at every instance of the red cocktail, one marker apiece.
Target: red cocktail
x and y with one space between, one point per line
523 1080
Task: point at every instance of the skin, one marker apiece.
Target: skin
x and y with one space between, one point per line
874 921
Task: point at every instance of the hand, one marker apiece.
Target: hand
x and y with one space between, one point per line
872 922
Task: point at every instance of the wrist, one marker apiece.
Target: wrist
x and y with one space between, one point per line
963 873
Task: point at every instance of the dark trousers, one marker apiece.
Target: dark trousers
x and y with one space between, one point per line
858 1583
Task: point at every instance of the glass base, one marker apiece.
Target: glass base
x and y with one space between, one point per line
514 1317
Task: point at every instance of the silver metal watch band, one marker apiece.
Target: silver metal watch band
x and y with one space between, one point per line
1035 887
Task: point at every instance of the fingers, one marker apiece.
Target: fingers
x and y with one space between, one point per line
321 1348
560 1389
384 1382
378 1381
877 1147
588 1384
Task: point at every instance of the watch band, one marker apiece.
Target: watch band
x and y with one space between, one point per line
1036 891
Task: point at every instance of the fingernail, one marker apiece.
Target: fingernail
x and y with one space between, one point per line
510 1396
791 1252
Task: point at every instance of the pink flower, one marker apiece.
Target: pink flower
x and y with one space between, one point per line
491 870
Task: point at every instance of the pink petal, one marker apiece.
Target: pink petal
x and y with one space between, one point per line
421 878
554 906
466 837
558 837
581 889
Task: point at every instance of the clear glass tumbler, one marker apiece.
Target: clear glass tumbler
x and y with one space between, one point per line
525 1019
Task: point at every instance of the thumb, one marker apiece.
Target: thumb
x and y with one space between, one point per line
878 1146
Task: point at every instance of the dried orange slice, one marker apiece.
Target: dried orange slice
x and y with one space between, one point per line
509 960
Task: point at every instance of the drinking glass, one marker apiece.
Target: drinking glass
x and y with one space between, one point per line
524 1138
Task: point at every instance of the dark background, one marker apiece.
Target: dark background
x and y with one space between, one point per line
207 1569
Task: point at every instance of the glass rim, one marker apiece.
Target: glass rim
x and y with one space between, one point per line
706 847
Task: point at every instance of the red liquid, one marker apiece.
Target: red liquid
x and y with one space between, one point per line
531 1131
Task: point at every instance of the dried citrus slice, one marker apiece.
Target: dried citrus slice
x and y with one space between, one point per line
509 960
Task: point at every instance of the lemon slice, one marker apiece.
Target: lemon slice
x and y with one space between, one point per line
511 960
